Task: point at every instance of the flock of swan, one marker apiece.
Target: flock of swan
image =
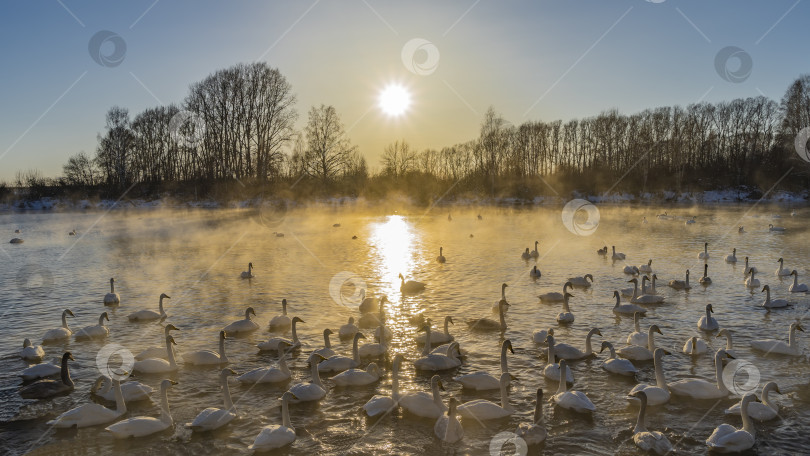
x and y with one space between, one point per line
440 352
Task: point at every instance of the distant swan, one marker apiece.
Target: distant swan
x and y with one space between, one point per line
94 331
425 405
272 344
534 253
581 281
616 365
796 287
448 428
733 257
242 326
526 254
410 286
571 353
58 334
637 337
681 284
773 303
30 352
348 330
438 337
707 322
552 370
158 365
112 298
339 363
486 324
554 296
617 255
704 255
249 273
771 227
729 344
269 374
149 315
566 316
441 258
640 353
748 268
705 280
646 268
752 282
482 409
480 381
314 390
208 357
603 251
782 271
326 351
695 346
535 273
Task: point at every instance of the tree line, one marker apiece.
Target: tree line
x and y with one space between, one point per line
238 125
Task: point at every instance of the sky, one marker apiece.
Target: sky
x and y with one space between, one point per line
530 60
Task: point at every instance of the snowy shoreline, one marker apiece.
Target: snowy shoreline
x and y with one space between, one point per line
712 197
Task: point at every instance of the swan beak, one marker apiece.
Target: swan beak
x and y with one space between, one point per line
70 357
171 327
70 313
776 389
512 376
598 332
799 327
441 386
667 352
231 371
731 357
173 382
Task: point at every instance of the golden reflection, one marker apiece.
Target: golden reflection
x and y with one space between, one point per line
393 242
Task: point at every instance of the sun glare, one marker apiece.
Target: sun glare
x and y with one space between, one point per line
394 100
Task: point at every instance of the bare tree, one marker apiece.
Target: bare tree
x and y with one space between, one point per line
328 148
398 159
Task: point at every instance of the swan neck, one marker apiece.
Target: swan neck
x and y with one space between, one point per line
748 424
226 393
635 291
718 373
426 350
502 318
170 353
356 351
446 329
795 280
65 372
165 412
660 380
551 353
538 412
326 342
112 287
792 337
729 344
505 397
223 357
563 387
437 398
285 414
160 306
294 333
101 320
651 341
504 366
588 348
316 376
282 364
636 324
64 321
120 405
642 412
565 305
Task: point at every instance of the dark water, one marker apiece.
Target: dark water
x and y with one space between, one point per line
196 258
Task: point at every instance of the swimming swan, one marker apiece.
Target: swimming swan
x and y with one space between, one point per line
704 255
534 433
411 286
539 336
797 287
617 365
681 284
656 394
94 331
698 388
482 409
30 352
249 273
47 388
640 353
158 365
572 400
760 411
553 296
637 337
705 280
752 282
58 334
208 357
314 390
535 273
213 418
646 268
642 299
581 281
272 343
648 440
244 326
571 353
503 301
326 351
439 361
566 316
486 324
480 381
448 428
358 377
441 258
707 322
348 330
158 352
728 439
729 345
339 363
552 369
423 404
438 337
695 346
112 298
733 257
773 303
777 346
91 414
149 315
270 374
274 436
782 271
132 391
380 404
617 256
534 253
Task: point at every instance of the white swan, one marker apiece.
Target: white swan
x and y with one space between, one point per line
642 299
208 357
358 377
42 370
269 374
653 441
617 256
59 334
441 258
752 282
771 227
448 428
729 345
380 403
423 404
554 296
640 353
695 346
213 418
91 414
656 394
30 352
773 303
411 286
572 400
158 365
339 363
707 322
94 331
535 273
631 270
482 409
782 271
438 361
480 381
158 352
326 351
733 257
747 268
149 315
502 301
704 255
112 298
646 268
348 330
797 287
314 390
566 316
728 439
581 281
272 343
777 346
698 388
244 326
274 436
705 280
438 337
637 337
486 324
144 425
133 391
539 336
534 433
369 305
373 350
370 320
47 388
249 273
571 353
552 370
760 411
681 284
616 365
280 322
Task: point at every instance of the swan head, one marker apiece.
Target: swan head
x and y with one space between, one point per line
104 316
250 265
722 352
568 285
722 333
374 370
589 276
503 286
250 311
710 309
568 295
351 320
550 339
449 319
359 336
550 332
112 280
68 313
687 273
637 316
170 339
797 326
297 320
655 328
794 273
633 280
165 296
68 356
605 344
327 332
780 260
659 353
508 344
222 335
452 405
400 276
171 327
747 399
640 395
224 373
770 386
26 343
288 396
563 364
766 288
596 331
315 358
436 382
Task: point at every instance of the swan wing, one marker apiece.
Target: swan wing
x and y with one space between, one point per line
273 437
479 381
378 405
137 427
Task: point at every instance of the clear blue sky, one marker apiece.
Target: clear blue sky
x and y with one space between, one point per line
566 59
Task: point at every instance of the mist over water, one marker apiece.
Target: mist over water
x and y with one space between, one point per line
196 256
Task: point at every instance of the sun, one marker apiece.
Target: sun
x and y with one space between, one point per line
394 100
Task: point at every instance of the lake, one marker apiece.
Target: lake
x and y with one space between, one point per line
196 257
